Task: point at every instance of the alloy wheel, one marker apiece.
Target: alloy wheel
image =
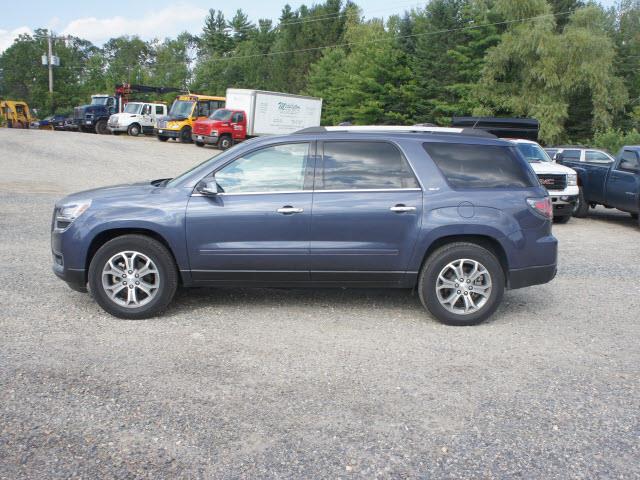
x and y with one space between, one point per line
463 286
130 279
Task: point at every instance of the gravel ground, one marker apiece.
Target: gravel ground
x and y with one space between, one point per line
304 383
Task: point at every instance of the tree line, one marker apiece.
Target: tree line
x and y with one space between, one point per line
573 65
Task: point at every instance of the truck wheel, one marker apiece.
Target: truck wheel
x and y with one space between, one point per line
634 216
163 139
581 209
134 130
101 127
561 219
461 284
199 144
225 142
185 135
133 276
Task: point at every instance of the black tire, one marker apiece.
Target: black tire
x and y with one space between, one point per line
634 216
225 142
199 144
185 135
154 250
581 209
438 260
101 127
162 139
133 130
561 219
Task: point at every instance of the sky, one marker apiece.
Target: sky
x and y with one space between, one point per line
98 21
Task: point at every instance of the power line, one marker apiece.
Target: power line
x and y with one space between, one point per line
349 44
397 37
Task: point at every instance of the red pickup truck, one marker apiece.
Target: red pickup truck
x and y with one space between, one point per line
223 128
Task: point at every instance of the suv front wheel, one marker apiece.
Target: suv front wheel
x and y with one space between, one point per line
461 284
133 277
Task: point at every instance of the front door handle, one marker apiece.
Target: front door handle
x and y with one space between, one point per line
400 208
288 210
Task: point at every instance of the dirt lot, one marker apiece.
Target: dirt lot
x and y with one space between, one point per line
304 383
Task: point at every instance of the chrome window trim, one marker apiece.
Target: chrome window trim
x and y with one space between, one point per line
280 192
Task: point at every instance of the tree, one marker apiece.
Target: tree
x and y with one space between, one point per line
241 26
535 70
366 82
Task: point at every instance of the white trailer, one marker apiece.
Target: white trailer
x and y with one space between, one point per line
274 113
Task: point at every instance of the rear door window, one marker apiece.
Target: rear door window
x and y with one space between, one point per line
593 156
358 165
480 166
571 155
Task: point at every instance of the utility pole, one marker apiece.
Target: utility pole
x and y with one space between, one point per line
50 62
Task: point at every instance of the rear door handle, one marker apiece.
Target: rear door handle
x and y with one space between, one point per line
289 210
400 208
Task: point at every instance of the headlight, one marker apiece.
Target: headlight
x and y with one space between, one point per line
66 214
572 179
214 133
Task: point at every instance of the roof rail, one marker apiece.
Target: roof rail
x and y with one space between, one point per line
398 129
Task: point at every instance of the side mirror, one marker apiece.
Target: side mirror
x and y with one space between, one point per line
209 187
558 157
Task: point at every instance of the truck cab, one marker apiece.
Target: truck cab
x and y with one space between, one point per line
611 184
15 114
223 128
137 118
185 110
94 117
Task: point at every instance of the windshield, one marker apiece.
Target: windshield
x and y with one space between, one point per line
133 108
99 100
533 152
221 114
181 108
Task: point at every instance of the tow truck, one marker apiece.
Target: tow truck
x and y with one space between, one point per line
95 116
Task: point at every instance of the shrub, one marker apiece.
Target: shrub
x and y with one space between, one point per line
613 140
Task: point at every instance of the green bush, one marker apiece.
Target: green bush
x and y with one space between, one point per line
613 140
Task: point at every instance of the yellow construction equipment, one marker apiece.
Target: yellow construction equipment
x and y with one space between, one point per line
14 114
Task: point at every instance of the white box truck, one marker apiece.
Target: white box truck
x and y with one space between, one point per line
249 113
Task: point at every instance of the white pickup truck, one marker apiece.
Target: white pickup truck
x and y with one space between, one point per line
561 182
136 118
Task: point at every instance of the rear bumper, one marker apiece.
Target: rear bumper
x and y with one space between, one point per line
525 277
208 139
163 132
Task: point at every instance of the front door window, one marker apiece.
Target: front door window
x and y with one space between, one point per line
278 168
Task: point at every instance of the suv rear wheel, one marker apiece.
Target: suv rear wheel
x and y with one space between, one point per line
461 284
133 277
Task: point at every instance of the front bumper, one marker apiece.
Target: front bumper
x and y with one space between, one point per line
163 132
563 204
117 128
525 277
208 139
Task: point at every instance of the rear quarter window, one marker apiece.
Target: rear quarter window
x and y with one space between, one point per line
480 166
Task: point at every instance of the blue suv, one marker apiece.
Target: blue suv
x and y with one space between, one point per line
457 215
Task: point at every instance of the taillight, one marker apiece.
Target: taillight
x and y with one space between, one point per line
541 206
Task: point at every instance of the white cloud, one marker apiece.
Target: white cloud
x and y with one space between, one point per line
166 22
8 36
